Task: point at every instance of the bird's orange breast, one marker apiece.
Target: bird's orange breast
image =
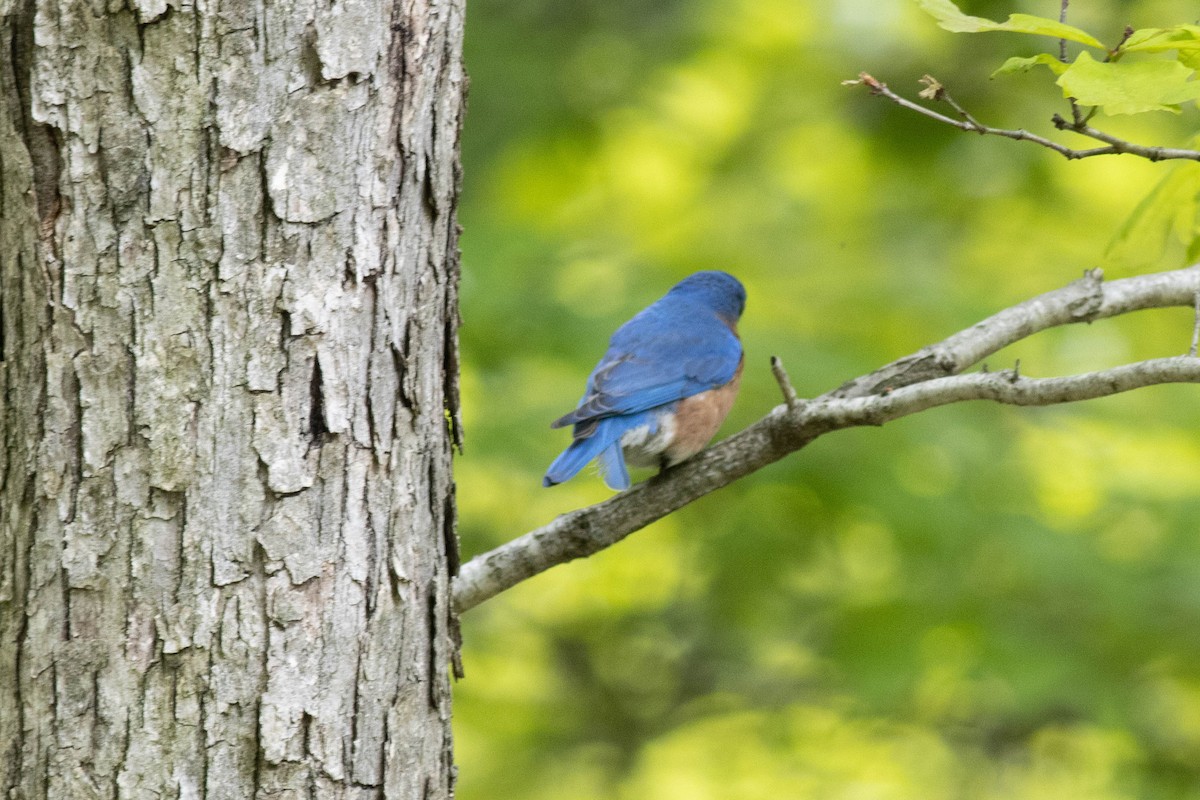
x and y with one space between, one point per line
697 418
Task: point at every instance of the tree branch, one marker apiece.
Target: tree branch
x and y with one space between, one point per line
925 379
1195 327
1115 145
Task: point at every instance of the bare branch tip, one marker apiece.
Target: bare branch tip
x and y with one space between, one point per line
865 79
785 384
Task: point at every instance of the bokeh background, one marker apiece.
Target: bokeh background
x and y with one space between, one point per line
980 602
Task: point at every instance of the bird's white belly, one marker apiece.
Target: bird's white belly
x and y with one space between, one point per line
645 449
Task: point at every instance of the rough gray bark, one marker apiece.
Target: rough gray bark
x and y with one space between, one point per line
228 274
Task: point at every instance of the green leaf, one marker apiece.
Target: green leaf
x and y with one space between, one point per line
1017 64
951 18
1184 39
1124 88
1041 26
1157 40
1170 207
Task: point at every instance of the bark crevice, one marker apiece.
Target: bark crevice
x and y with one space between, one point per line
43 142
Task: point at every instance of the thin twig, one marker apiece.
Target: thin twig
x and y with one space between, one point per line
785 383
1115 146
1112 54
1076 114
928 378
1122 146
1062 43
934 90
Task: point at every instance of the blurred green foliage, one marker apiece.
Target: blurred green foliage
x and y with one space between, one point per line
980 602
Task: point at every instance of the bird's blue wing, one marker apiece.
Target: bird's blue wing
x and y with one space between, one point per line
667 352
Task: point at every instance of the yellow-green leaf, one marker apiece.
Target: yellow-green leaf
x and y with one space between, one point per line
1169 208
950 17
1017 64
1041 26
1129 88
1157 40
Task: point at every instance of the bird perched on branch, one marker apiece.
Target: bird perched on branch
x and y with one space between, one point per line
665 385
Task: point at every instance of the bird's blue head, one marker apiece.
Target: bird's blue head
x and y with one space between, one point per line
720 291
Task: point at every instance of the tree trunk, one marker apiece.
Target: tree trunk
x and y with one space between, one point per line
228 270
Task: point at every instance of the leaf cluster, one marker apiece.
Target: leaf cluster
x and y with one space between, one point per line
1149 69
1112 82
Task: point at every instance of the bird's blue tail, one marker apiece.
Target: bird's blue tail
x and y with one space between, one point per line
576 457
604 444
612 468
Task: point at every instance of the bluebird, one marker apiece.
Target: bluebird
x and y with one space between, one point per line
665 385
